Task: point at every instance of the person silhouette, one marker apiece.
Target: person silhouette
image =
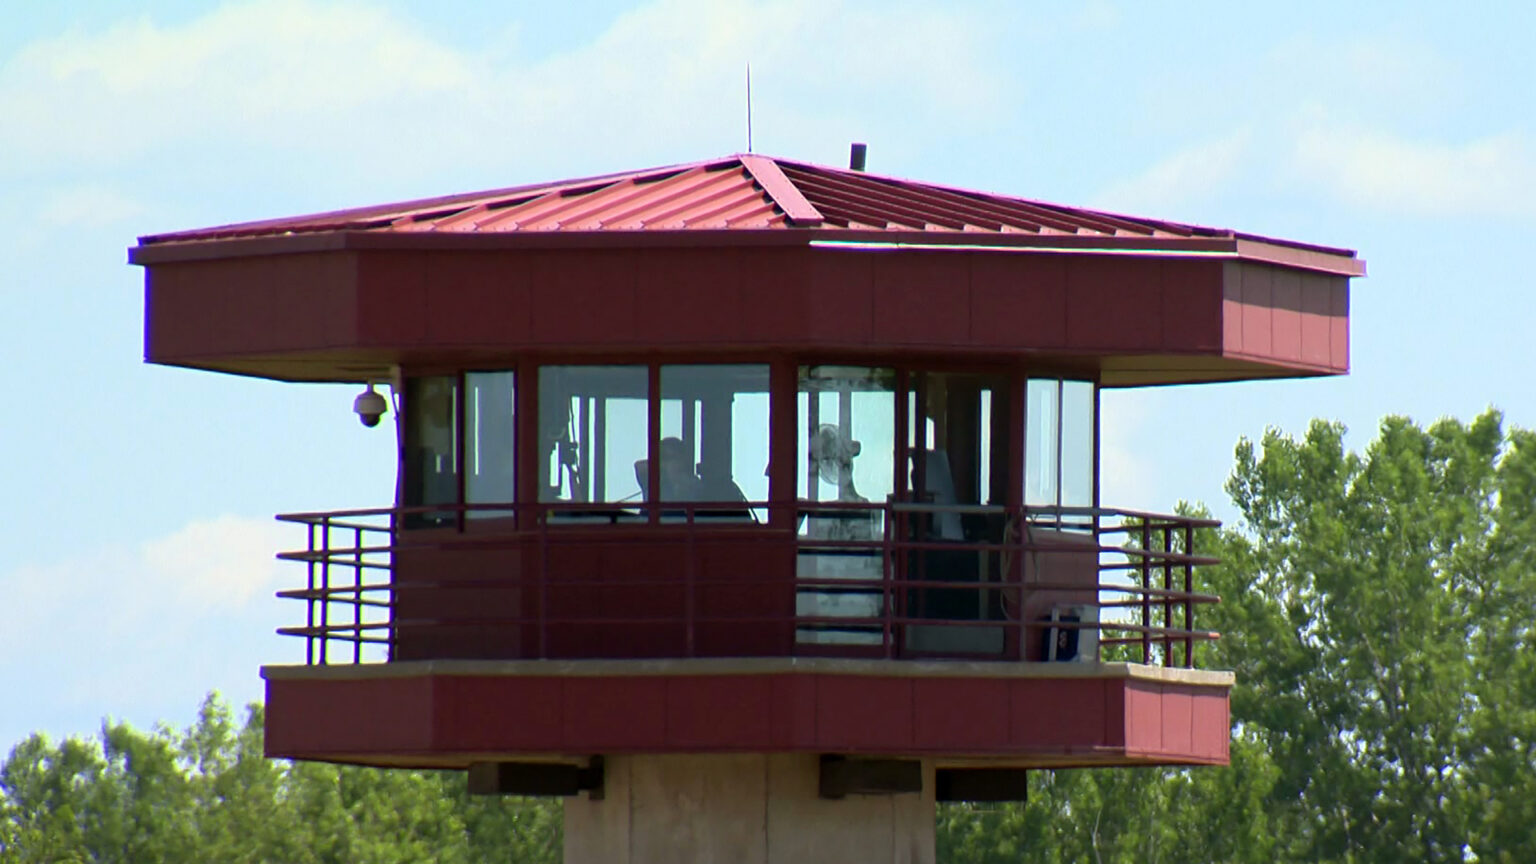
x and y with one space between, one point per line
679 481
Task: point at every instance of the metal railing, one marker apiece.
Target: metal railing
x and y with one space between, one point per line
878 580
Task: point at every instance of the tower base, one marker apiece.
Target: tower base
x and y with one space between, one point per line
748 808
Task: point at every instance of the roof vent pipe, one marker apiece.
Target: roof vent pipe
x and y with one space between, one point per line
856 157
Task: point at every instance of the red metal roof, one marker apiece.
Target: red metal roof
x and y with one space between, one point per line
740 193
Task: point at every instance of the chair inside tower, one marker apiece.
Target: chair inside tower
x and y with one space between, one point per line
956 523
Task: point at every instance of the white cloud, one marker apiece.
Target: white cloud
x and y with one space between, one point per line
222 562
145 630
1489 176
1364 167
264 69
1191 175
340 77
213 566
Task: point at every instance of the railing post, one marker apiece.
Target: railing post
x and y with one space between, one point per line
1189 590
1146 598
325 589
394 534
1167 530
309 611
357 596
1098 596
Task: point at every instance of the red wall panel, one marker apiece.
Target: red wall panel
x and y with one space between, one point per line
719 711
1211 724
1315 326
1232 309
1338 324
328 310
1115 717
793 712
1286 316
771 284
438 616
583 299
614 713
859 712
960 714
1057 713
1114 303
479 299
692 300
1143 717
1178 721
392 299
921 298
1019 301
1286 320
379 715
602 599
250 305
1258 305
483 713
1192 305
456 717
836 302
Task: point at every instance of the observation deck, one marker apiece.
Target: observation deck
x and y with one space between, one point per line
746 459
1047 636
1031 584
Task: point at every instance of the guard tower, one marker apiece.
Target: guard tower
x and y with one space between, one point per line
752 504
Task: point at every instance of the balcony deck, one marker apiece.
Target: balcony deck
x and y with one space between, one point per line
511 582
452 713
1048 637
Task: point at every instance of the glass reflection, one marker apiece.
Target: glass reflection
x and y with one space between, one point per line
431 441
714 436
1077 424
1042 414
846 444
593 431
490 463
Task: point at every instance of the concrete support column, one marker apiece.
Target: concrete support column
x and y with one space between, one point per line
748 808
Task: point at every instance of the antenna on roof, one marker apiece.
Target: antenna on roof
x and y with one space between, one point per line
749 106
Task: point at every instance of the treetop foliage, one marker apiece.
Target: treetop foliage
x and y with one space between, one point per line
208 794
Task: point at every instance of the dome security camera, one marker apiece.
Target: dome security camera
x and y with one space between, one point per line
369 407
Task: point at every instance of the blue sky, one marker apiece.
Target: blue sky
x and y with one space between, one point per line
136 536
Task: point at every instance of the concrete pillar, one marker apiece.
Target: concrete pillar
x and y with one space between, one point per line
748 808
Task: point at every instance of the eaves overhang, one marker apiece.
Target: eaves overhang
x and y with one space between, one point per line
1235 248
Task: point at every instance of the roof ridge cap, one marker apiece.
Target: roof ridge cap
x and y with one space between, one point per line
781 190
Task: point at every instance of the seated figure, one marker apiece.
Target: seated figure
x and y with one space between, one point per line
679 481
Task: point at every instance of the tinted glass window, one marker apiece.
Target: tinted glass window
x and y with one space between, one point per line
490 455
593 433
431 441
1059 426
714 434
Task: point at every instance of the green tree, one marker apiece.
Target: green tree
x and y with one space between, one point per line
1375 611
209 794
1378 610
